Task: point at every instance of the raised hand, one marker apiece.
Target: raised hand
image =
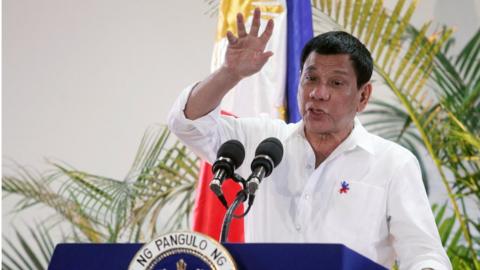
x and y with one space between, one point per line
245 56
246 53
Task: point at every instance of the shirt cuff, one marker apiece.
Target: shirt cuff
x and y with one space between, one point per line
179 123
426 264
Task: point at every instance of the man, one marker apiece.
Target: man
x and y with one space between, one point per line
337 183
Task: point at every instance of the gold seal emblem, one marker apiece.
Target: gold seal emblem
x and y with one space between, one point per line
181 265
179 249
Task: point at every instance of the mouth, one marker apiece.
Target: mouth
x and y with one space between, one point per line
316 111
315 114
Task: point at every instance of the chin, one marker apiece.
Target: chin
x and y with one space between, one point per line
318 128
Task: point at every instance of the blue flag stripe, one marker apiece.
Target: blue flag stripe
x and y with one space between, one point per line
299 32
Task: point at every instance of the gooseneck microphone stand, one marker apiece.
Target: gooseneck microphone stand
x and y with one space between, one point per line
241 196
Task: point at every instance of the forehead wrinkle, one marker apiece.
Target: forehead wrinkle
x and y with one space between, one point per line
335 71
341 72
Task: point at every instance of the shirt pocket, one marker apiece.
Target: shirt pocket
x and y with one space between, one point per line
355 212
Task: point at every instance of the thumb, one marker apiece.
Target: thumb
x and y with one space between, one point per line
265 56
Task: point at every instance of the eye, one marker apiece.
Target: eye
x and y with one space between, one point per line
310 78
337 83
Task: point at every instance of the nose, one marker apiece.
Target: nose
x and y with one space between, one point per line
320 92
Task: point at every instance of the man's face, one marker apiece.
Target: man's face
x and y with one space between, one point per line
329 95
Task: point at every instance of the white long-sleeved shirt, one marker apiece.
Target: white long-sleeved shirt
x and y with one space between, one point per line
368 194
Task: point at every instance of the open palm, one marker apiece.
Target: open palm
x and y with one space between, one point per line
245 54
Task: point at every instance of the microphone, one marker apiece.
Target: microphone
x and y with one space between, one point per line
230 156
268 155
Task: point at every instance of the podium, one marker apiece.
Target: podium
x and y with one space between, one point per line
247 256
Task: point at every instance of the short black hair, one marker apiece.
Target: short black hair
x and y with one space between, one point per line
339 42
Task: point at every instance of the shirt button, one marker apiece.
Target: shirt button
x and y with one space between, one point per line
297 227
307 196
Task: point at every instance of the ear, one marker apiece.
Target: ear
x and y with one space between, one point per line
365 91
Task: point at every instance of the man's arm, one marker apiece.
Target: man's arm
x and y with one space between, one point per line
415 235
245 56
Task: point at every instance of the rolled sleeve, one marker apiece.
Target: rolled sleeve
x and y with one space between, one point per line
415 235
199 134
429 263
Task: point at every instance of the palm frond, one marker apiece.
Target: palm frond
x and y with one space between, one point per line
39 191
101 209
213 6
32 250
451 237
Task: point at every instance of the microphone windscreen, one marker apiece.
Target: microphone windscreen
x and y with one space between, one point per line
271 147
234 150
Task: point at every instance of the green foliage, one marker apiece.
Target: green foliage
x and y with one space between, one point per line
22 255
451 236
100 209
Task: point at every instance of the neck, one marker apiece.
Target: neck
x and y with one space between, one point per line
324 144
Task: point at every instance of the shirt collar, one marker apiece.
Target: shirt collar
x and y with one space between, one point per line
361 137
358 137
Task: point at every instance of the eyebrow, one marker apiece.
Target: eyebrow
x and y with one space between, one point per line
337 71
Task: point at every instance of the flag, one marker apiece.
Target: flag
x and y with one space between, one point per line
259 94
300 31
208 212
262 94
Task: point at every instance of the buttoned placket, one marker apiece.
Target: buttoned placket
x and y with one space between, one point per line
304 203
316 184
304 208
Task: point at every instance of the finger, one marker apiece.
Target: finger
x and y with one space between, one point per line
255 22
263 57
232 40
268 31
241 25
